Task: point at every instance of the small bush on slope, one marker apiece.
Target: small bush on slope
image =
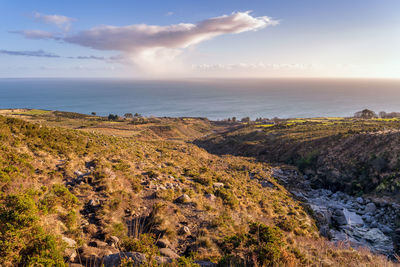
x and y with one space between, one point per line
22 240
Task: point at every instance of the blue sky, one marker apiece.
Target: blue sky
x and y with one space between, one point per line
310 38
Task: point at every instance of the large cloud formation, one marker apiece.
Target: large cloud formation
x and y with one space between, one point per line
139 37
151 47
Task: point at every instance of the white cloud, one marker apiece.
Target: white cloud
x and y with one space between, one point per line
152 48
170 13
139 37
60 21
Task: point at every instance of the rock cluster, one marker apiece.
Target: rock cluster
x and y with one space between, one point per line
341 217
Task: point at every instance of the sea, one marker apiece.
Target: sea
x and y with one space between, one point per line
216 99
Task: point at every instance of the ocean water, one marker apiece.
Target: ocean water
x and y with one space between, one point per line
215 99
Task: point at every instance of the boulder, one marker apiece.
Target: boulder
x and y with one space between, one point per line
70 242
206 263
163 243
184 230
370 208
210 197
97 244
183 199
93 202
345 217
360 200
113 260
163 261
169 253
266 183
385 229
114 240
70 254
218 185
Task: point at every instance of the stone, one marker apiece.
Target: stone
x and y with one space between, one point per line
169 253
206 263
327 263
266 183
210 197
94 202
183 199
184 230
70 242
374 224
90 254
163 243
78 173
345 217
360 200
385 229
113 260
97 244
114 240
370 208
368 219
163 261
218 185
70 254
324 231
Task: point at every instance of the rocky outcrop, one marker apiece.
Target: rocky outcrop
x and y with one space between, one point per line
355 220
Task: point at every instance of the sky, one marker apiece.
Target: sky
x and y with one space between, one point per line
208 38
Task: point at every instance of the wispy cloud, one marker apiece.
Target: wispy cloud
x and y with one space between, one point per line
60 21
170 13
89 57
36 34
37 53
42 53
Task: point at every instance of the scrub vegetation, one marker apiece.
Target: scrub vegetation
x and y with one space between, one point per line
79 189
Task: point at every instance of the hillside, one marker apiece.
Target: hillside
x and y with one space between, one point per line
358 157
79 190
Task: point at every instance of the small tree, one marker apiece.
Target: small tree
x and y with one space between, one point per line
128 115
113 117
94 113
365 114
246 119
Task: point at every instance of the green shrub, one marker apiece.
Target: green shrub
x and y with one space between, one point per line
227 196
43 250
144 244
262 243
22 241
58 195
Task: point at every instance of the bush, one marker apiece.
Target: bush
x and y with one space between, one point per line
22 241
262 243
227 196
144 244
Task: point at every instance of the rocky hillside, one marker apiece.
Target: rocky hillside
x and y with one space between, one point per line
87 197
351 155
